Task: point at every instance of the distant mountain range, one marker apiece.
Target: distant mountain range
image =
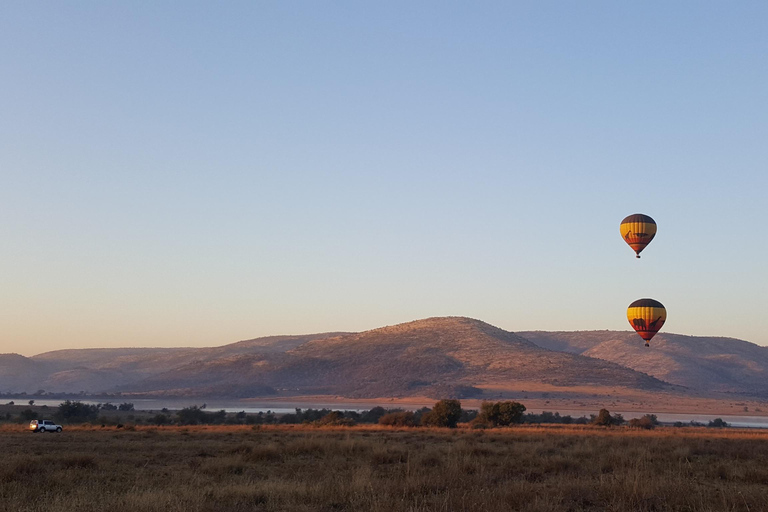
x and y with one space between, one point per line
437 357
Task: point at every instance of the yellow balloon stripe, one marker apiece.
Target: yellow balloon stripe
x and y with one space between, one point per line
638 232
646 320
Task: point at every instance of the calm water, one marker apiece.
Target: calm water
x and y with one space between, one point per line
250 406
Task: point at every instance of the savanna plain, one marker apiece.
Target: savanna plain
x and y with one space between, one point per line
303 468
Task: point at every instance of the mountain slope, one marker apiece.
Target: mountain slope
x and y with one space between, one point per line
437 356
702 363
21 373
103 369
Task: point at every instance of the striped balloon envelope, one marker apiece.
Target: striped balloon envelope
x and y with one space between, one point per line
646 316
638 230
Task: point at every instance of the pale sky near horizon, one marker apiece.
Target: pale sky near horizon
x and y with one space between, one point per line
197 173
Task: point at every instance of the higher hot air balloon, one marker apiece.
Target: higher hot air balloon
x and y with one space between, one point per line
646 316
638 230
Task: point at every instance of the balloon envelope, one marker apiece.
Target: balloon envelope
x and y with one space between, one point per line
646 316
638 230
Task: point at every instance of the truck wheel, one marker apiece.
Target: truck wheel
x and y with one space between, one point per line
58 430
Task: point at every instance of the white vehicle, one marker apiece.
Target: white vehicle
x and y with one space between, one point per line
44 426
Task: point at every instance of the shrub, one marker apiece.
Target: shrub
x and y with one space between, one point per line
374 415
28 415
418 413
125 406
74 411
717 423
468 415
193 415
398 419
160 419
605 419
335 419
500 414
445 413
647 422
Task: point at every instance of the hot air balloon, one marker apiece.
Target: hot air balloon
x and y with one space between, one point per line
638 230
646 316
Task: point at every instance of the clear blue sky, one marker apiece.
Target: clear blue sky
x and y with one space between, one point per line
196 173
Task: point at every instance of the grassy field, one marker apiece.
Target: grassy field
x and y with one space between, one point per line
372 468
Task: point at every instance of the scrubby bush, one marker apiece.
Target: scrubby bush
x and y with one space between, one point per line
648 422
74 411
468 415
604 419
28 415
374 415
717 423
418 413
334 419
160 419
193 415
398 419
500 414
445 413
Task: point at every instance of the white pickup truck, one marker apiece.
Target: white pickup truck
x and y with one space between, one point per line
44 426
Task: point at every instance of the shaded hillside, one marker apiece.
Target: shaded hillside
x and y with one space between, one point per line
105 369
701 363
433 357
21 373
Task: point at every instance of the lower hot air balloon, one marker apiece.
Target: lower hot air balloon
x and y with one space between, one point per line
646 316
638 230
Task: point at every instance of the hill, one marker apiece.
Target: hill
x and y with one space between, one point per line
19 373
436 357
108 369
709 364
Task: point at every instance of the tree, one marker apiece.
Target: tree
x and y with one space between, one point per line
445 413
398 419
603 418
335 419
193 415
373 415
647 422
31 402
160 419
500 414
717 423
75 411
126 406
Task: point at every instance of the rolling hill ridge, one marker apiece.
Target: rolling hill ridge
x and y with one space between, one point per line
434 357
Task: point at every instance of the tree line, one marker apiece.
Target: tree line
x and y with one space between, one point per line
445 413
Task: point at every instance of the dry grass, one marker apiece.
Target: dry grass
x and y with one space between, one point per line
380 469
